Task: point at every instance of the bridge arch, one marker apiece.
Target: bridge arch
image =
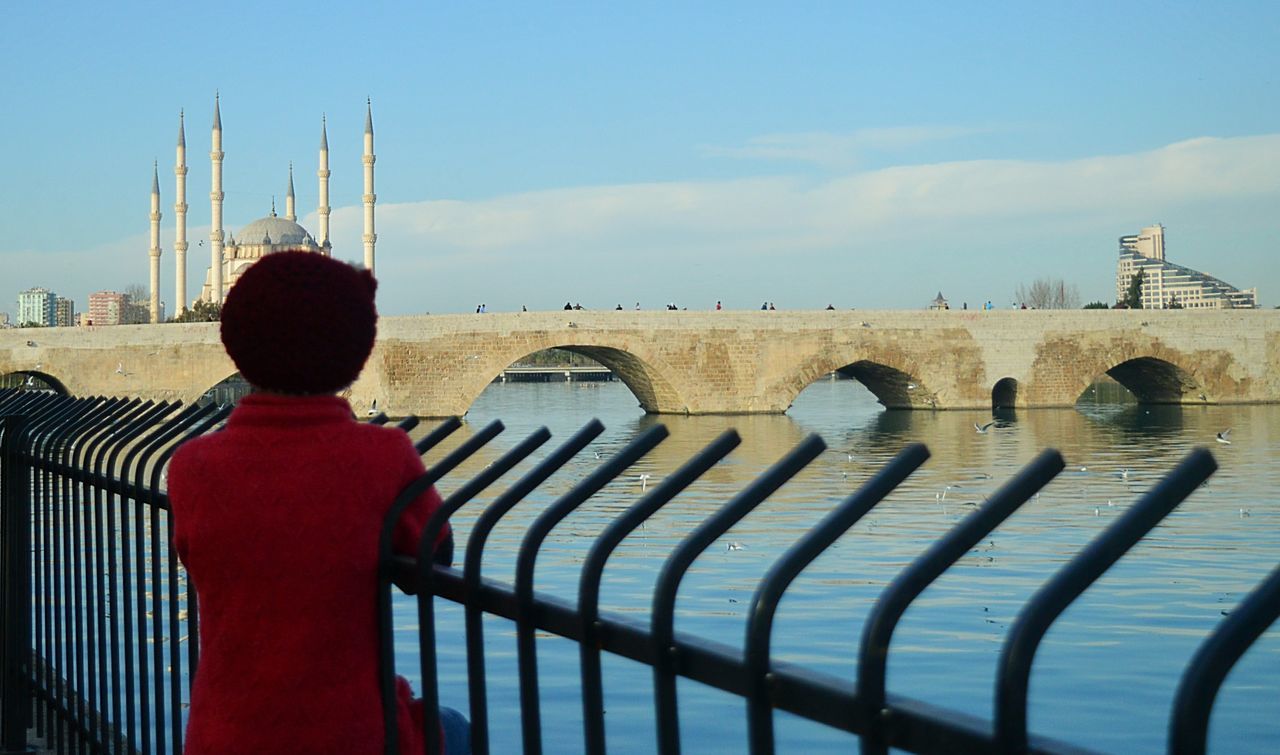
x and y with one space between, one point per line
1155 381
650 388
1151 369
33 380
1004 394
895 383
644 377
893 387
228 390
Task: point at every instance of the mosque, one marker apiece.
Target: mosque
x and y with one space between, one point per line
231 254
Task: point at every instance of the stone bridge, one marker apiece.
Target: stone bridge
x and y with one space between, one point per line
725 362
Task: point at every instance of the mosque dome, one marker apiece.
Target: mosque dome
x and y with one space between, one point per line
279 230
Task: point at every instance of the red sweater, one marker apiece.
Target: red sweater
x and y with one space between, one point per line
276 519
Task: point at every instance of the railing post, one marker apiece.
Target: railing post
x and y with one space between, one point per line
1208 668
15 505
1013 673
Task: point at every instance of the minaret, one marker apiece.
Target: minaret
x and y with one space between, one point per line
155 242
369 236
180 213
289 214
215 198
323 173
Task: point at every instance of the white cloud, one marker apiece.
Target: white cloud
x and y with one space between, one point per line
680 234
887 203
870 236
836 150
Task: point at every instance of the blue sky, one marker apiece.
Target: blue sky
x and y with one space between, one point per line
861 154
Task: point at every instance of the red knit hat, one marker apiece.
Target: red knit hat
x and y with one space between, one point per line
300 323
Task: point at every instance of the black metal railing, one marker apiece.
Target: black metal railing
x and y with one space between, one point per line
96 610
88 530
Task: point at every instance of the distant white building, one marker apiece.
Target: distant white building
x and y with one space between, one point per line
1166 285
37 306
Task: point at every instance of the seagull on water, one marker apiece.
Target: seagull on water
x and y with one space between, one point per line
1222 436
982 429
735 546
120 368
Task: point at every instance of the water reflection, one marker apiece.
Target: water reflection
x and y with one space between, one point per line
1134 420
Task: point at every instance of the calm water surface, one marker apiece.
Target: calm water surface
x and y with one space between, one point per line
1104 677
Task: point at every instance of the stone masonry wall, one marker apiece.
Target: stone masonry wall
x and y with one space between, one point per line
722 362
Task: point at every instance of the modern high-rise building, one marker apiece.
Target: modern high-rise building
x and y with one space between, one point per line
64 312
1166 285
37 306
1149 242
107 307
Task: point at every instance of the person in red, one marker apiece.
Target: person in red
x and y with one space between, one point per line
277 519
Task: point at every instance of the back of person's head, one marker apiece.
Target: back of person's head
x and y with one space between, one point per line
300 323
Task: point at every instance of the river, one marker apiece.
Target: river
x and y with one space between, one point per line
1104 677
